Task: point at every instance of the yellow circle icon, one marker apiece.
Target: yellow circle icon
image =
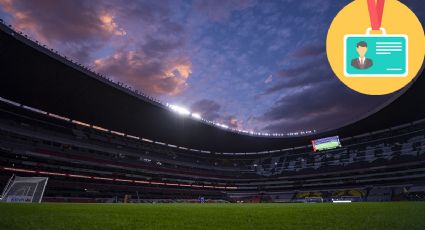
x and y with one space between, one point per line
376 62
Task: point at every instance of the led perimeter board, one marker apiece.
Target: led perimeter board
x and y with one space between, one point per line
326 143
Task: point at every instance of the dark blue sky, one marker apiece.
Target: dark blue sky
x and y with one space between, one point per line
253 65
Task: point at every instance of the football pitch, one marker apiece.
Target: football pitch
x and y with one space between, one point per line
397 215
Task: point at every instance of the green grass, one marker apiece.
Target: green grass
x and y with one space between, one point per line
402 215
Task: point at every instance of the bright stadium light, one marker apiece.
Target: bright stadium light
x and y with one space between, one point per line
180 110
222 126
196 116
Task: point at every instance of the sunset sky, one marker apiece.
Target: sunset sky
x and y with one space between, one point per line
253 65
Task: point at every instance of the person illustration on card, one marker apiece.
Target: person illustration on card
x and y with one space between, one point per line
362 62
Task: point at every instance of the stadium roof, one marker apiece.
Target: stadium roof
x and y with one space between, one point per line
38 77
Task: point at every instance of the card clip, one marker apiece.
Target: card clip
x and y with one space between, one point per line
383 30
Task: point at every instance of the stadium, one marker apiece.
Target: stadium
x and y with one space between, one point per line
71 136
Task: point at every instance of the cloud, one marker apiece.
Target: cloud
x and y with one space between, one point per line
154 77
149 59
79 27
158 48
108 24
156 62
303 75
322 106
211 110
230 121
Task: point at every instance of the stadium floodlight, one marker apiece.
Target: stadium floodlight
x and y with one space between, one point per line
180 110
222 126
196 116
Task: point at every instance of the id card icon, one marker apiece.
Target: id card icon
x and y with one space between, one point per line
376 55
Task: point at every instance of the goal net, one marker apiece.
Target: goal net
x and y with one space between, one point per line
24 189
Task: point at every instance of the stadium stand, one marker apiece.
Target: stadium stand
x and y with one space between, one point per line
379 194
62 148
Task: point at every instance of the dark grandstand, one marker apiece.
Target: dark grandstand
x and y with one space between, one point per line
99 141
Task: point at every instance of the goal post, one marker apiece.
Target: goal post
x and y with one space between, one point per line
24 189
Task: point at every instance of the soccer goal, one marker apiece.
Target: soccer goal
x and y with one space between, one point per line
24 189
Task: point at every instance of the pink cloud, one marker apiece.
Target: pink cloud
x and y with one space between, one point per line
148 59
168 77
76 27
